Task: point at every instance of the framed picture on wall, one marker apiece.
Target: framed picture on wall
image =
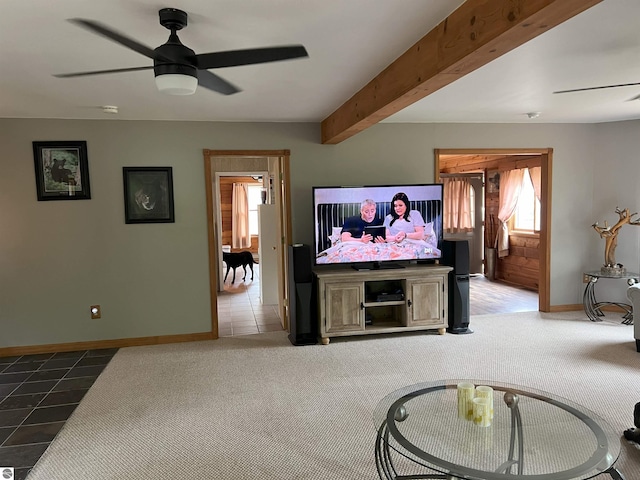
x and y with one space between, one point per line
493 181
62 170
148 194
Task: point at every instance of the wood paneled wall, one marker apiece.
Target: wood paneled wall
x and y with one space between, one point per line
226 194
522 266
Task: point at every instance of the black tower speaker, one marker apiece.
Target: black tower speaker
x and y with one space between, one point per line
455 253
302 297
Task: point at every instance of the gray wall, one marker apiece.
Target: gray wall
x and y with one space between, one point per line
59 257
616 183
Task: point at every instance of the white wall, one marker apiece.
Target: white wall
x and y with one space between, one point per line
59 257
616 166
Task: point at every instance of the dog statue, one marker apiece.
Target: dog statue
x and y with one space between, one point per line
235 260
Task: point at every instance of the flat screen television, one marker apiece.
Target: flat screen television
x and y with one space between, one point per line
346 218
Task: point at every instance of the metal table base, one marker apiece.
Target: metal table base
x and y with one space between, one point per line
593 308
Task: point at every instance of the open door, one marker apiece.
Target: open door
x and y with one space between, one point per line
269 238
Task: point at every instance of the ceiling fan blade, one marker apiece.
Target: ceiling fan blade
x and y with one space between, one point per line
213 82
101 72
598 88
233 58
114 36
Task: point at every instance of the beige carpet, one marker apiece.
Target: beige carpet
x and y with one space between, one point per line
256 407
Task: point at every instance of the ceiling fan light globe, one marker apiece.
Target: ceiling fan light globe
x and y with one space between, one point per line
176 84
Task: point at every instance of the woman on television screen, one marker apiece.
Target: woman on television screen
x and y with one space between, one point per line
403 223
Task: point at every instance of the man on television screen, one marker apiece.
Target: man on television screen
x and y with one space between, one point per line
354 227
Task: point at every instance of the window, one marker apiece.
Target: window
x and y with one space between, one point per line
459 205
255 199
527 215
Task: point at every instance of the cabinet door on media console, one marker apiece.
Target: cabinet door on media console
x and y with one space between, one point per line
343 309
425 302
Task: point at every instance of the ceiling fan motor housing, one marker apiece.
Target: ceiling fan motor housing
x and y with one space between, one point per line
174 58
174 66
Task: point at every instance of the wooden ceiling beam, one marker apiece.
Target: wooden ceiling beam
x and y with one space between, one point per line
478 32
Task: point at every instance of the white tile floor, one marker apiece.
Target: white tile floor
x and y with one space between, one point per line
240 311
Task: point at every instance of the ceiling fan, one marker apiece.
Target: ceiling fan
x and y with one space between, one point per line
178 69
598 88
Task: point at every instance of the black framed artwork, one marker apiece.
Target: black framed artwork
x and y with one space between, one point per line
148 194
62 170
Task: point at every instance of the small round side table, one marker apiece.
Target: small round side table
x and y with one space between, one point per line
593 308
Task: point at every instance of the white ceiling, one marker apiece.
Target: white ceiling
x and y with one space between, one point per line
349 42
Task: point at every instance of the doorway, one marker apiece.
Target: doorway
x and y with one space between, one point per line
227 184
448 161
274 164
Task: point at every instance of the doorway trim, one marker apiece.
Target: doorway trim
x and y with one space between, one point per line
546 156
282 185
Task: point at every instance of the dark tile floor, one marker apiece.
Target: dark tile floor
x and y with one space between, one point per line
38 393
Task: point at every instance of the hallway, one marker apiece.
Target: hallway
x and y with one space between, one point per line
239 309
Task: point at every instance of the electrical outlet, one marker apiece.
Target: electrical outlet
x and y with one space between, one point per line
95 311
585 278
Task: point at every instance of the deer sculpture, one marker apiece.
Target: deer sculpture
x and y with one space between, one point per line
610 235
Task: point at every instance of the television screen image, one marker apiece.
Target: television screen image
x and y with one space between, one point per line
377 224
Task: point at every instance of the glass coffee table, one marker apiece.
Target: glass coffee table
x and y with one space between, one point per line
534 435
